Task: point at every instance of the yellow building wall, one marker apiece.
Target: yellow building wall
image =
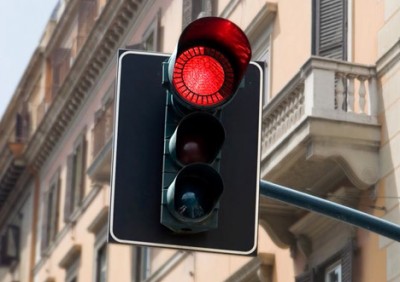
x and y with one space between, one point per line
369 258
366 18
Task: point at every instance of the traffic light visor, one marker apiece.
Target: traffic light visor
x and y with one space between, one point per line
209 62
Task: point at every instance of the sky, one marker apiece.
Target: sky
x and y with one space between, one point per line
22 24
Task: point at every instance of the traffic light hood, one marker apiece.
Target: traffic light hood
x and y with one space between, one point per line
209 62
222 35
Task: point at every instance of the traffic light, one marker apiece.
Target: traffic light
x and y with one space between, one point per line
201 77
186 145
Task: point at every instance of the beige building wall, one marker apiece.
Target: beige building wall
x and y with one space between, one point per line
76 240
284 28
389 68
291 41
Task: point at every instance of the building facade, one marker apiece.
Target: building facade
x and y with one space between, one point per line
329 128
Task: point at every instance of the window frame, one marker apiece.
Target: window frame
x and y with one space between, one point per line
152 32
194 9
337 265
23 124
72 271
51 211
260 37
53 203
100 245
141 267
75 186
265 58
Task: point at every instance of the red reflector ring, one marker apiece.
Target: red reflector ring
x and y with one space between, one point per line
202 76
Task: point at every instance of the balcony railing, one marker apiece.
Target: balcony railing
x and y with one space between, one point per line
323 88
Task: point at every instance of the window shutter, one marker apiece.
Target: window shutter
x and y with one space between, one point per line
81 169
194 9
22 123
60 67
45 224
305 277
186 12
57 205
10 245
54 207
331 28
345 256
86 18
19 128
347 262
68 188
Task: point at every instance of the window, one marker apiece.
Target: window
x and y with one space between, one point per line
330 28
99 228
337 268
10 245
72 271
141 263
101 263
60 64
87 13
75 187
265 57
334 273
51 211
71 263
260 36
254 270
194 9
22 124
150 40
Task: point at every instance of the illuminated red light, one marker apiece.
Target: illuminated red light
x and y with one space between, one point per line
209 63
203 76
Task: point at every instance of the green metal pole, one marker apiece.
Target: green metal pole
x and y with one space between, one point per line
331 209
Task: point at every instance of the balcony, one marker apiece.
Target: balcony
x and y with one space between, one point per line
100 169
321 136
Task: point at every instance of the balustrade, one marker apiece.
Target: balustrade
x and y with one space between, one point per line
323 88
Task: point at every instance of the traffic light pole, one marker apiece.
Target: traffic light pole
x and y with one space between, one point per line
331 209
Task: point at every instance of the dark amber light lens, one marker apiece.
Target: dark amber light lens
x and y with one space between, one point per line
203 77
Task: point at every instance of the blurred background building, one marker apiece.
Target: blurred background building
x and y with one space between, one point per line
330 128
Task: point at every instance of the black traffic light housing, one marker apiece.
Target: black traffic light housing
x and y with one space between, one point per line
192 184
200 77
138 160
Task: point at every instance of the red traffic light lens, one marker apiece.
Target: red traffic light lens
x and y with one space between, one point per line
203 77
208 63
